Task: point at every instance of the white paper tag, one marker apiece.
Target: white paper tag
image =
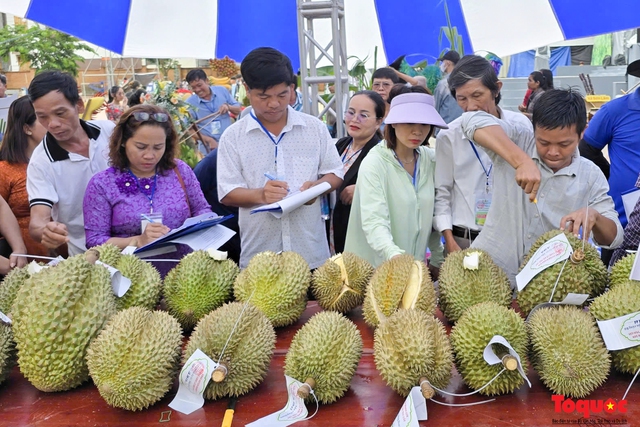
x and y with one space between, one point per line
635 270
4 318
129 250
294 410
413 410
34 268
194 377
119 283
216 254
621 332
570 299
551 252
492 359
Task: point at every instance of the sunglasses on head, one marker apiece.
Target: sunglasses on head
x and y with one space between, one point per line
142 116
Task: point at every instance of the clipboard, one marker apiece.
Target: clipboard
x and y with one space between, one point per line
191 225
629 200
293 201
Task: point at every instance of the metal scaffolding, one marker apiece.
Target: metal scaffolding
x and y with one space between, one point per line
313 51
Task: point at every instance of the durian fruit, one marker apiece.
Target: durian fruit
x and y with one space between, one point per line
7 351
567 350
248 350
620 300
146 283
411 346
198 285
341 282
470 336
463 283
401 282
56 314
324 354
277 284
584 273
9 287
135 358
621 270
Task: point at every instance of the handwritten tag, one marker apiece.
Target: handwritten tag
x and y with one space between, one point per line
119 283
553 251
621 332
194 377
4 318
492 359
413 410
293 411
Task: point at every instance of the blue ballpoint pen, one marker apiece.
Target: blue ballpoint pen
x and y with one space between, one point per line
272 178
147 218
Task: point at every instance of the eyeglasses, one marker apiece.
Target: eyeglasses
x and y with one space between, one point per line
142 116
360 117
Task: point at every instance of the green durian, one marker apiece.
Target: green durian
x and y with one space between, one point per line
620 300
326 349
247 348
461 288
401 282
341 282
135 358
567 350
621 270
198 285
588 276
410 345
470 336
277 284
9 287
109 254
7 351
56 314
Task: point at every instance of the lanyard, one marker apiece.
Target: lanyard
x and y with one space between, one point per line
153 189
486 172
414 177
275 163
347 151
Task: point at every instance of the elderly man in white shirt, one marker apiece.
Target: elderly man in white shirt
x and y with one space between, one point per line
278 142
464 174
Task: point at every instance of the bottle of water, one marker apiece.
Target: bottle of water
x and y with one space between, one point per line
324 207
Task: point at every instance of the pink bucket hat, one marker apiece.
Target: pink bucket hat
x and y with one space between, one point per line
414 108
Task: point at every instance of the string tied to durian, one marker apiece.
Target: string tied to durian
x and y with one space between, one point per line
553 291
308 384
426 384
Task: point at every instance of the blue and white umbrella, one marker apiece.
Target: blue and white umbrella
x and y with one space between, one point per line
210 28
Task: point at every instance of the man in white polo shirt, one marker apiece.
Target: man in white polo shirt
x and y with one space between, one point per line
60 167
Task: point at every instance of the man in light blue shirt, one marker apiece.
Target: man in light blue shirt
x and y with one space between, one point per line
446 105
214 101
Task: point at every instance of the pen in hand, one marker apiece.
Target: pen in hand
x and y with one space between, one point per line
148 219
273 178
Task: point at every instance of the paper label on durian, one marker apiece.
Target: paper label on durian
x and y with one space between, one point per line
635 269
119 283
553 251
129 250
570 299
492 359
194 377
621 332
413 410
4 318
294 410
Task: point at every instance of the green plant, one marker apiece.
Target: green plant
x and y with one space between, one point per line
44 48
451 33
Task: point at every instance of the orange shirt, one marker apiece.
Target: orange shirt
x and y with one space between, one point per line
13 189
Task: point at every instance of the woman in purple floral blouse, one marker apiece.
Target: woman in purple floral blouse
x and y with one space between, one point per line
144 178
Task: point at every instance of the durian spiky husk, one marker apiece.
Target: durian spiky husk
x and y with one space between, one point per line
7 351
469 337
56 314
621 270
461 288
277 284
327 348
198 285
135 358
620 300
9 287
248 353
567 350
109 254
341 282
401 282
409 345
586 277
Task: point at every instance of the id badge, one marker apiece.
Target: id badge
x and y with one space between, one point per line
482 205
214 127
145 219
